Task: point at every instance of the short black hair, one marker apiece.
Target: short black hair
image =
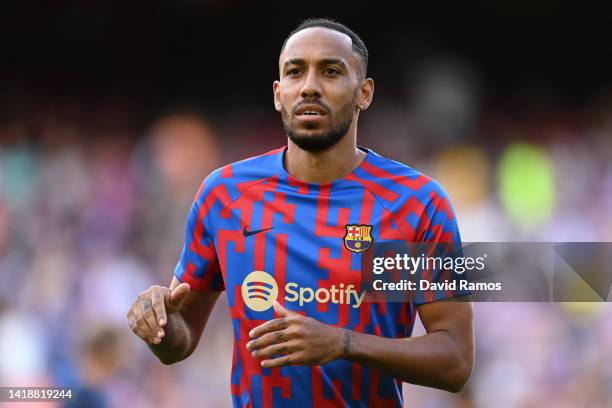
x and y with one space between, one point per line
358 45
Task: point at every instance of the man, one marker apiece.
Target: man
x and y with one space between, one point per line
283 234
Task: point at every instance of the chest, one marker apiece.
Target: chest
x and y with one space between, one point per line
306 249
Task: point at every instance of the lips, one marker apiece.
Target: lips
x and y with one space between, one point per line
310 109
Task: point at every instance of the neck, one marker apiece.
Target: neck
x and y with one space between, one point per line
327 166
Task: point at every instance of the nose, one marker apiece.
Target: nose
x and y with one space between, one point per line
311 88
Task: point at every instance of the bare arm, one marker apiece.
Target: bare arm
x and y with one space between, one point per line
171 320
443 358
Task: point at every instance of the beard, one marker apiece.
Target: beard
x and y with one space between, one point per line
341 122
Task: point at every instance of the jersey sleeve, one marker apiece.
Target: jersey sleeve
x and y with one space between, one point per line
198 264
439 238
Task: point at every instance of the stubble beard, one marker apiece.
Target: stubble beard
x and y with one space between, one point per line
328 139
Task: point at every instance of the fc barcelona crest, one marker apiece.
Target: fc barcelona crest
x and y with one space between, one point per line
358 238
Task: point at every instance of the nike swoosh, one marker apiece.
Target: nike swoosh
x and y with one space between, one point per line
249 233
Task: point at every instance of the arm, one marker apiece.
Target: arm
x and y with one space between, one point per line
443 358
171 320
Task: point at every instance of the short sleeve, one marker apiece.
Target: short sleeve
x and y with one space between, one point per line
439 235
198 264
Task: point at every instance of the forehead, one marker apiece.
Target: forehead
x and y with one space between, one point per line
318 43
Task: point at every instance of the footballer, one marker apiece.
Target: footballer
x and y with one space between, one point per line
283 234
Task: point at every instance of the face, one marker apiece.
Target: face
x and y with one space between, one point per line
320 88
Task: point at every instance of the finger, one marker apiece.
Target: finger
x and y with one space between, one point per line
141 328
278 362
177 295
131 320
149 317
159 307
281 310
275 349
267 340
269 326
144 333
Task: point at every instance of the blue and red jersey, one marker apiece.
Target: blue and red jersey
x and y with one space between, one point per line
306 243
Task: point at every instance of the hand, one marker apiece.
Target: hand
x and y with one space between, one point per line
149 312
300 340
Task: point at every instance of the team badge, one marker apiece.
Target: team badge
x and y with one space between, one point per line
358 238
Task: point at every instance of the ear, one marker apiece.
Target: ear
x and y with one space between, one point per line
276 91
366 93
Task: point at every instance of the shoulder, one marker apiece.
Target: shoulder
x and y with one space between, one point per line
228 182
419 204
396 183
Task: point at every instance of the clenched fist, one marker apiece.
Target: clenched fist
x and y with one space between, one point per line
149 312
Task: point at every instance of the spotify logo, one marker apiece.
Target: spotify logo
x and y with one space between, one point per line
259 291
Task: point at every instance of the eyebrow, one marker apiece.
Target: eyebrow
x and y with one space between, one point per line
325 61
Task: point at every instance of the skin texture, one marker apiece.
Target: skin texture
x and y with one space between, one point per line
171 320
318 68
318 64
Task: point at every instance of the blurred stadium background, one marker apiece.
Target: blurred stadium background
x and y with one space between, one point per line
111 113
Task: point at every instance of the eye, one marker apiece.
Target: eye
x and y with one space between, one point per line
293 72
331 71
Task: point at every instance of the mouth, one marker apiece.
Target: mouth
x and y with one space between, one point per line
310 111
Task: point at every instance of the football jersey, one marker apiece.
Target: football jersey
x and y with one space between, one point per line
262 235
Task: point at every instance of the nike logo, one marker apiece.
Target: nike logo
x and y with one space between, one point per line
249 233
